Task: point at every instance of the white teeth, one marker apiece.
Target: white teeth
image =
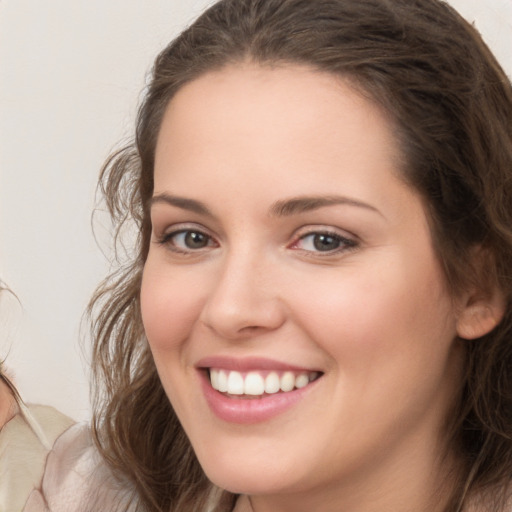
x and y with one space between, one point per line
302 380
253 383
214 378
235 383
287 381
223 381
272 384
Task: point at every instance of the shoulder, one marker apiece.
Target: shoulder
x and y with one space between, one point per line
76 478
48 463
25 442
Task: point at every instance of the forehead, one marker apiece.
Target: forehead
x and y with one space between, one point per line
291 128
251 103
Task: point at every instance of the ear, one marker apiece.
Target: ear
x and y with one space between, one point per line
482 307
479 318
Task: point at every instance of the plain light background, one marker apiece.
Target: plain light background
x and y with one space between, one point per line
71 75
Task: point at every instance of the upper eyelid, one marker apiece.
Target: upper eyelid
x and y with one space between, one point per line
297 234
341 238
348 241
165 240
163 236
325 229
169 229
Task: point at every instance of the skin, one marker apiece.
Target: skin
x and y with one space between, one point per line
8 408
374 315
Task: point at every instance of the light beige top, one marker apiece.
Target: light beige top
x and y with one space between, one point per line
25 442
49 464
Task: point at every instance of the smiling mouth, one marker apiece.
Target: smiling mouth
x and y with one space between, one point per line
258 384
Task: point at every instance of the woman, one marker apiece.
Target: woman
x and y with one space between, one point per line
317 315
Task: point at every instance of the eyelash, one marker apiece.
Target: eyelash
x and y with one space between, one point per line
344 244
167 240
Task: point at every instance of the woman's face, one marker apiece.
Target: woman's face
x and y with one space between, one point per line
287 254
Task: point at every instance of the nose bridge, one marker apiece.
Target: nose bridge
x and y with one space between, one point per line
244 298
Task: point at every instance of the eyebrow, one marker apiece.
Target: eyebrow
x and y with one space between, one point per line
282 208
303 204
182 202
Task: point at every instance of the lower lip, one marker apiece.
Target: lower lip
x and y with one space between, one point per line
250 410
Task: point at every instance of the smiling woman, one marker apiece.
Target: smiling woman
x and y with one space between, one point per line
317 315
310 298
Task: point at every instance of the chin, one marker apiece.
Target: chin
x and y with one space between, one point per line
248 477
250 484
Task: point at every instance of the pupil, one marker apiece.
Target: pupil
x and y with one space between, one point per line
195 240
326 242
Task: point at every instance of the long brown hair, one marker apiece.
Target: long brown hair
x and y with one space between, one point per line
451 104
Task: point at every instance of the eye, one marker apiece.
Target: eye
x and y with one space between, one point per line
187 240
325 242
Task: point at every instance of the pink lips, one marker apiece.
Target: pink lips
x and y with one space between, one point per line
246 411
247 364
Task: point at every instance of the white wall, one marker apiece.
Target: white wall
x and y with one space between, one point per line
70 77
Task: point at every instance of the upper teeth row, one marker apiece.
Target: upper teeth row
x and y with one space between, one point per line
253 383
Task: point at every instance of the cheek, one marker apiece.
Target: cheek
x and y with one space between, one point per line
169 307
389 336
390 311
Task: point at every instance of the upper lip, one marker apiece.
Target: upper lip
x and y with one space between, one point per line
247 364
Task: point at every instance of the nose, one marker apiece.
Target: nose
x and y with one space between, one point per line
244 300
